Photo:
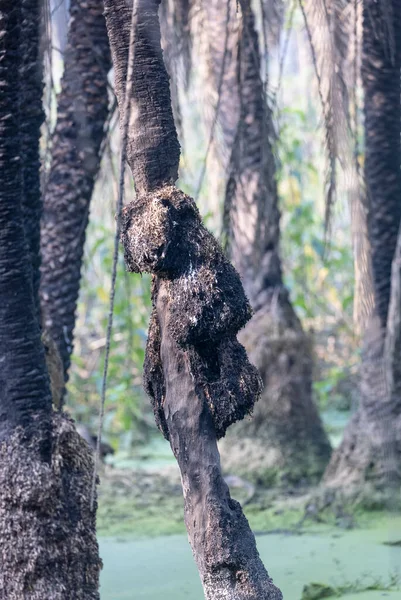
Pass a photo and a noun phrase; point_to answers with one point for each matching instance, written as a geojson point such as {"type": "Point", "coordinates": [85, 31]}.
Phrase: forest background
{"type": "Point", "coordinates": [317, 244]}
{"type": "Point", "coordinates": [318, 272]}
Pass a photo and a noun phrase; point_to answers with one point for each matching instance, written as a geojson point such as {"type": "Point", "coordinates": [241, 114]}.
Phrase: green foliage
{"type": "Point", "coordinates": [125, 411]}
{"type": "Point", "coordinates": [318, 268]}
{"type": "Point", "coordinates": [319, 275]}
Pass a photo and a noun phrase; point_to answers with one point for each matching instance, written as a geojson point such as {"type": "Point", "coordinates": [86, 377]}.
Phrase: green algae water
{"type": "Point", "coordinates": [162, 568]}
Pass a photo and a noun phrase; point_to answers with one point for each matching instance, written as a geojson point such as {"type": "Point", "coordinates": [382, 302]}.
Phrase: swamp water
{"type": "Point", "coordinates": [162, 568]}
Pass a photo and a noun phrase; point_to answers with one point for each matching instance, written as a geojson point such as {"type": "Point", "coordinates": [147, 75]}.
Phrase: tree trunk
{"type": "Point", "coordinates": [381, 59]}
{"type": "Point", "coordinates": [47, 528]}
{"type": "Point", "coordinates": [80, 129]}
{"type": "Point", "coordinates": [371, 449]}
{"type": "Point", "coordinates": [285, 441]}
{"type": "Point", "coordinates": [196, 373]}
{"type": "Point", "coordinates": [24, 391]}
{"type": "Point", "coordinates": [32, 109]}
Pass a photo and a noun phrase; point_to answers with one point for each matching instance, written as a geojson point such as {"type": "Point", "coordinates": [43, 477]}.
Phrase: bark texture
{"type": "Point", "coordinates": [285, 442]}
{"type": "Point", "coordinates": [222, 542]}
{"type": "Point", "coordinates": [47, 528]}
{"type": "Point", "coordinates": [80, 128]}
{"type": "Point", "coordinates": [153, 151]}
{"type": "Point", "coordinates": [370, 452]}
{"type": "Point", "coordinates": [197, 374]}
{"type": "Point", "coordinates": [32, 110]}
{"type": "Point", "coordinates": [25, 398]}
{"type": "Point", "coordinates": [381, 57]}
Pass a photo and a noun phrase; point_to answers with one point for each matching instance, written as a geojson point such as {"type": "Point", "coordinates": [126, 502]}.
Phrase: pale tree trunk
{"type": "Point", "coordinates": [196, 373]}
{"type": "Point", "coordinates": [82, 108]}
{"type": "Point", "coordinates": [285, 441]}
{"type": "Point", "coordinates": [371, 449]}
{"type": "Point", "coordinates": [47, 528]}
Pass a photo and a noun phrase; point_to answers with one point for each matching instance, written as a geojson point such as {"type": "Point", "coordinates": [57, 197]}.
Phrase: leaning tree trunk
{"type": "Point", "coordinates": [82, 108]}
{"type": "Point", "coordinates": [285, 441]}
{"type": "Point", "coordinates": [47, 529]}
{"type": "Point", "coordinates": [371, 449]}
{"type": "Point", "coordinates": [196, 372]}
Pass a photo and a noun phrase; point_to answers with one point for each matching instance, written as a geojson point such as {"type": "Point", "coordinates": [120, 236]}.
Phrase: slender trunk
{"type": "Point", "coordinates": [196, 373]}
{"type": "Point", "coordinates": [285, 441]}
{"type": "Point", "coordinates": [47, 528]}
{"type": "Point", "coordinates": [370, 450]}
{"type": "Point", "coordinates": [80, 129]}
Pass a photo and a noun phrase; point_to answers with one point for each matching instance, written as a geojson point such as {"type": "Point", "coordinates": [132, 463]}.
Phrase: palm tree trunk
{"type": "Point", "coordinates": [370, 450]}
{"type": "Point", "coordinates": [80, 129]}
{"type": "Point", "coordinates": [285, 441]}
{"type": "Point", "coordinates": [24, 395]}
{"type": "Point", "coordinates": [47, 527]}
{"type": "Point", "coordinates": [197, 374]}
{"type": "Point", "coordinates": [32, 109]}
{"type": "Point", "coordinates": [381, 60]}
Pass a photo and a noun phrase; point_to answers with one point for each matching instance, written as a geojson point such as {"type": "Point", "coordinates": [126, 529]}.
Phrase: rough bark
{"type": "Point", "coordinates": [370, 452]}
{"type": "Point", "coordinates": [197, 374]}
{"type": "Point", "coordinates": [153, 151]}
{"type": "Point", "coordinates": [222, 542]}
{"type": "Point", "coordinates": [285, 441]}
{"type": "Point", "coordinates": [48, 541]}
{"type": "Point", "coordinates": [381, 58]}
{"type": "Point", "coordinates": [371, 449]}
{"type": "Point", "coordinates": [82, 108]}
{"type": "Point", "coordinates": [24, 389]}
{"type": "Point", "coordinates": [32, 109]}
{"type": "Point", "coordinates": [47, 528]}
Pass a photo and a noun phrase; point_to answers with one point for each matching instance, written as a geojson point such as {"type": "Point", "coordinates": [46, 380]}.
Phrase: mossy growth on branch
{"type": "Point", "coordinates": [163, 234]}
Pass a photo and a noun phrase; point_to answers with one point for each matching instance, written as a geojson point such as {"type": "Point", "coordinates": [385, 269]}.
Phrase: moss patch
{"type": "Point", "coordinates": [139, 504]}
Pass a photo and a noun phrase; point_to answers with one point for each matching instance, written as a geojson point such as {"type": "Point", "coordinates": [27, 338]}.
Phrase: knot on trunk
{"type": "Point", "coordinates": [205, 304]}
{"type": "Point", "coordinates": [163, 234]}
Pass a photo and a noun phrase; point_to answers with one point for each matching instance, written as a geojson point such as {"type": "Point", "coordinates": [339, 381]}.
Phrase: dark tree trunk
{"type": "Point", "coordinates": [381, 59]}
{"type": "Point", "coordinates": [153, 151]}
{"type": "Point", "coordinates": [24, 390]}
{"type": "Point", "coordinates": [196, 373]}
{"type": "Point", "coordinates": [81, 115]}
{"type": "Point", "coordinates": [47, 528]}
{"type": "Point", "coordinates": [285, 441]}
{"type": "Point", "coordinates": [371, 449]}
{"type": "Point", "coordinates": [32, 109]}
